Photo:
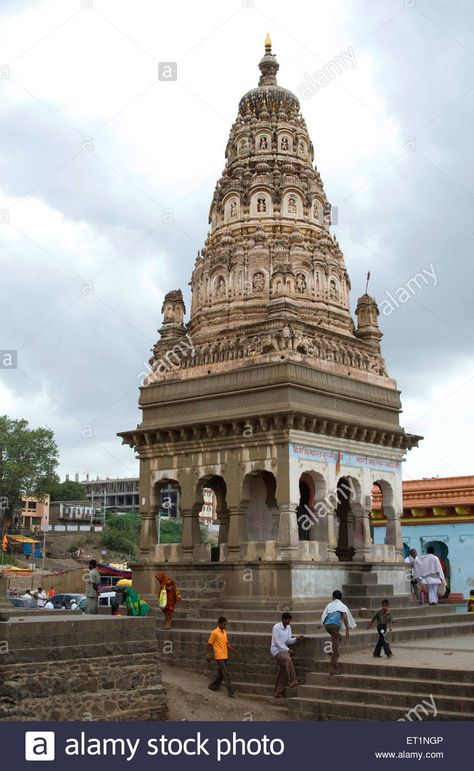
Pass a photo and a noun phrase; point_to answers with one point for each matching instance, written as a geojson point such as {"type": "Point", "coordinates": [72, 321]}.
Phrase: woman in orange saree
{"type": "Point", "coordinates": [172, 597]}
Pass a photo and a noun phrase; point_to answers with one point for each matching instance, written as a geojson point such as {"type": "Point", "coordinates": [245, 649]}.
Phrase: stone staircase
{"type": "Point", "coordinates": [391, 693]}
{"type": "Point", "coordinates": [364, 695]}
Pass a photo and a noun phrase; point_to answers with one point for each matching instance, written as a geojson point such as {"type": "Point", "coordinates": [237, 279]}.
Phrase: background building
{"type": "Point", "coordinates": [35, 513]}
{"type": "Point", "coordinates": [113, 493]}
{"type": "Point", "coordinates": [208, 513]}
{"type": "Point", "coordinates": [72, 511]}
{"type": "Point", "coordinates": [437, 512]}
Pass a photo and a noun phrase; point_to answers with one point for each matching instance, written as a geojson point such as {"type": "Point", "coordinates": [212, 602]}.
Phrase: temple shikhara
{"type": "Point", "coordinates": [271, 395]}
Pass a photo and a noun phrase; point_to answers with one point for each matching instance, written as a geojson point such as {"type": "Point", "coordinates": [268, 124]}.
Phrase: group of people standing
{"type": "Point", "coordinates": [41, 597]}
{"type": "Point", "coordinates": [168, 596]}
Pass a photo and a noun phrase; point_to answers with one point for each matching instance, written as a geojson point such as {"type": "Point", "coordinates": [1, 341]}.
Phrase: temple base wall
{"type": "Point", "coordinates": [269, 582]}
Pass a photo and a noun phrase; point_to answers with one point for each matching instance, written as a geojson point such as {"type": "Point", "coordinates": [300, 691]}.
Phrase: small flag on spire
{"type": "Point", "coordinates": [4, 542]}
{"type": "Point", "coordinates": [367, 284]}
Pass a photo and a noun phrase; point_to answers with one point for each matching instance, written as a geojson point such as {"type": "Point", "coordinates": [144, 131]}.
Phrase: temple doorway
{"type": "Point", "coordinates": [442, 552]}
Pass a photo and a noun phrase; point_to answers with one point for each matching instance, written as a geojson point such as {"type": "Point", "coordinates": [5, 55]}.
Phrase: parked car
{"type": "Point", "coordinates": [68, 597]}
{"type": "Point", "coordinates": [22, 602]}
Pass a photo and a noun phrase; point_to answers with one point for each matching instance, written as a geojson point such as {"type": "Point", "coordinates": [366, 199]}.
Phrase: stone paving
{"type": "Point", "coordinates": [443, 652]}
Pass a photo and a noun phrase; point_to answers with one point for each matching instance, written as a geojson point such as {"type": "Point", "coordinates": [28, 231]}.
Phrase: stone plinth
{"type": "Point", "coordinates": [267, 581]}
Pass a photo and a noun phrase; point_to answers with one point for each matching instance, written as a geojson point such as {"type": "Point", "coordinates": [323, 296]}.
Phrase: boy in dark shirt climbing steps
{"type": "Point", "coordinates": [383, 617]}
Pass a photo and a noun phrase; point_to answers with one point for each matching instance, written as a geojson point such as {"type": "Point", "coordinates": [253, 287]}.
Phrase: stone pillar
{"type": "Point", "coordinates": [237, 533]}
{"type": "Point", "coordinates": [191, 533]}
{"type": "Point", "coordinates": [326, 530]}
{"type": "Point", "coordinates": [148, 511]}
{"type": "Point", "coordinates": [393, 533]}
{"type": "Point", "coordinates": [148, 532]}
{"type": "Point", "coordinates": [362, 540]}
{"type": "Point", "coordinates": [223, 519]}
{"type": "Point", "coordinates": [288, 538]}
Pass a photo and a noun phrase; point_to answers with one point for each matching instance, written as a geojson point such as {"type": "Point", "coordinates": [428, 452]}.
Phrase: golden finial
{"type": "Point", "coordinates": [268, 41]}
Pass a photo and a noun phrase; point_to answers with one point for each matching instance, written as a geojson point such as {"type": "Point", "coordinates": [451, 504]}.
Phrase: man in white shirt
{"type": "Point", "coordinates": [282, 638]}
{"type": "Point", "coordinates": [41, 599]}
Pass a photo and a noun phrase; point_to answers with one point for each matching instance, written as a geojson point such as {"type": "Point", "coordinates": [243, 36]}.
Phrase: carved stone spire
{"type": "Point", "coordinates": [173, 310]}
{"type": "Point", "coordinates": [269, 262]}
{"type": "Point", "coordinates": [367, 322]}
{"type": "Point", "coordinates": [268, 66]}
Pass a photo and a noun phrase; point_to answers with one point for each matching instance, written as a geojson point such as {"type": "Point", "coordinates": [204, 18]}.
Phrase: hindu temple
{"type": "Point", "coordinates": [271, 394]}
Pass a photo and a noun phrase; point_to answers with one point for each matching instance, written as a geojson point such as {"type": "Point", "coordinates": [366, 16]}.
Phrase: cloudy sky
{"type": "Point", "coordinates": [106, 175]}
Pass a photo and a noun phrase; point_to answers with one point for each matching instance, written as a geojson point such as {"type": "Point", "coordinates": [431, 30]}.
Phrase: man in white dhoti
{"type": "Point", "coordinates": [430, 573]}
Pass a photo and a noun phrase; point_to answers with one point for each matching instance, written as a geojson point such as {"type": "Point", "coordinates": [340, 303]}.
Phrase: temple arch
{"type": "Point", "coordinates": [311, 508]}
{"type": "Point", "coordinates": [348, 494]}
{"type": "Point", "coordinates": [217, 485]}
{"type": "Point", "coordinates": [260, 504]}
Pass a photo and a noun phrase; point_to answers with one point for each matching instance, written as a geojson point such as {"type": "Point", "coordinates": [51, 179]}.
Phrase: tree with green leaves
{"type": "Point", "coordinates": [28, 460]}
{"type": "Point", "coordinates": [66, 491]}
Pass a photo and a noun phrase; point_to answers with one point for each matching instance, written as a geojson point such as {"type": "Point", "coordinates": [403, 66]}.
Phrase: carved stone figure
{"type": "Point", "coordinates": [261, 205]}
{"type": "Point", "coordinates": [263, 143]}
{"type": "Point", "coordinates": [287, 337]}
{"type": "Point", "coordinates": [300, 283]}
{"type": "Point", "coordinates": [292, 208]}
{"type": "Point", "coordinates": [258, 282]}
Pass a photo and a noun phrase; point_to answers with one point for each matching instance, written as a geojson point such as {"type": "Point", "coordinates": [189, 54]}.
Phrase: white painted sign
{"type": "Point", "coordinates": [343, 458]}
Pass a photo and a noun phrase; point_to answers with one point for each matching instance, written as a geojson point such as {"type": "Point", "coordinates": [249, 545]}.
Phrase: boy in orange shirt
{"type": "Point", "coordinates": [219, 645]}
